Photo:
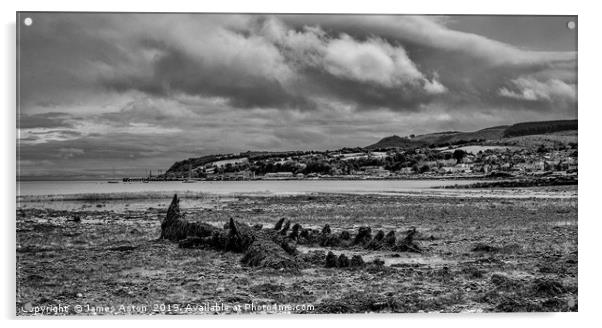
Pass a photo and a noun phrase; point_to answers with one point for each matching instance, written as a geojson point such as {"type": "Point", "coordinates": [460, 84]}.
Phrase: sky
{"type": "Point", "coordinates": [103, 94]}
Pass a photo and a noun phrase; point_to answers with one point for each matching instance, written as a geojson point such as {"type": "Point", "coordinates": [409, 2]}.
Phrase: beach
{"type": "Point", "coordinates": [506, 249]}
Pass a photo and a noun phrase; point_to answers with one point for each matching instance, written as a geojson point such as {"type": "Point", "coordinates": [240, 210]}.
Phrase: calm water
{"type": "Point", "coordinates": [35, 188]}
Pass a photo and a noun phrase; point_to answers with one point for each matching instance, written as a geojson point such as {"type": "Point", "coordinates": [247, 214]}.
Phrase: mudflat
{"type": "Point", "coordinates": [479, 254]}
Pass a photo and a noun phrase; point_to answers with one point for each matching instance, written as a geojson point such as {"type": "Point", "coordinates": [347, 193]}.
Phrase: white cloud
{"type": "Point", "coordinates": [373, 60]}
{"type": "Point", "coordinates": [430, 32]}
{"type": "Point", "coordinates": [434, 86]}
{"type": "Point", "coordinates": [531, 89]}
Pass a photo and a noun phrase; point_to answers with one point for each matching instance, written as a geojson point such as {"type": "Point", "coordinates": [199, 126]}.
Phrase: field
{"type": "Point", "coordinates": [551, 140]}
{"type": "Point", "coordinates": [479, 254]}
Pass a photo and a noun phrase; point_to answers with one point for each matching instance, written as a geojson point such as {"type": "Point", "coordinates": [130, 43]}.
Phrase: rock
{"type": "Point", "coordinates": [295, 231]}
{"type": "Point", "coordinates": [356, 261]}
{"type": "Point", "coordinates": [345, 235]}
{"type": "Point", "coordinates": [380, 235]}
{"type": "Point", "coordinates": [329, 240]}
{"type": "Point", "coordinates": [265, 248]}
{"type": "Point", "coordinates": [175, 229]}
{"type": "Point", "coordinates": [279, 224]}
{"type": "Point", "coordinates": [390, 238]}
{"type": "Point", "coordinates": [305, 234]}
{"type": "Point", "coordinates": [331, 260]}
{"type": "Point", "coordinates": [326, 229]}
{"type": "Point", "coordinates": [342, 261]}
{"type": "Point", "coordinates": [376, 242]}
{"type": "Point", "coordinates": [285, 228]}
{"type": "Point", "coordinates": [364, 235]}
{"type": "Point", "coordinates": [265, 253]}
{"type": "Point", "coordinates": [407, 244]}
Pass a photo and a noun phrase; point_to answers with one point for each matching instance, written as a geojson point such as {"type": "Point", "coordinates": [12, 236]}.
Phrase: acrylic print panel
{"type": "Point", "coordinates": [204, 164]}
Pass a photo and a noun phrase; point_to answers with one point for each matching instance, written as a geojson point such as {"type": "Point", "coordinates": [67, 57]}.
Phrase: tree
{"type": "Point", "coordinates": [458, 155]}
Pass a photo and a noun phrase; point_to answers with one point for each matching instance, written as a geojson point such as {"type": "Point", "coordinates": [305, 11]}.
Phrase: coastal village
{"type": "Point", "coordinates": [360, 163]}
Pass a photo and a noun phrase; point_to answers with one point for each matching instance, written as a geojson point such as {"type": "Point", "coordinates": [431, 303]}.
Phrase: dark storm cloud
{"type": "Point", "coordinates": [396, 62]}
{"type": "Point", "coordinates": [96, 88]}
{"type": "Point", "coordinates": [175, 71]}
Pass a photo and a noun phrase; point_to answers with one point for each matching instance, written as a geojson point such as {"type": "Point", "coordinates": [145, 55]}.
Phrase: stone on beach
{"type": "Point", "coordinates": [364, 235]}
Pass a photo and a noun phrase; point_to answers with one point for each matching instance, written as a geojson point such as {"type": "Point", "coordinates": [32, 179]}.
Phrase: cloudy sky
{"type": "Point", "coordinates": [139, 91]}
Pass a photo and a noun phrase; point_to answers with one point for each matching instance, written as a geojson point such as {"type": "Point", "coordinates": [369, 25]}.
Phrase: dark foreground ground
{"type": "Point", "coordinates": [481, 254]}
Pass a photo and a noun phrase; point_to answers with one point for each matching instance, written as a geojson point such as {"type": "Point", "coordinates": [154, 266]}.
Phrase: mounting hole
{"type": "Point", "coordinates": [28, 21]}
{"type": "Point", "coordinates": [571, 25]}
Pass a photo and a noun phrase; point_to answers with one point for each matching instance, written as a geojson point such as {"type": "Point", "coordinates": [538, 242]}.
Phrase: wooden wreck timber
{"type": "Point", "coordinates": [261, 247]}
{"type": "Point", "coordinates": [276, 248]}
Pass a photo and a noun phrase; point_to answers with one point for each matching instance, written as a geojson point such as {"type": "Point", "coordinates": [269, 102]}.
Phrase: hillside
{"type": "Point", "coordinates": [496, 133]}
{"type": "Point", "coordinates": [531, 128]}
{"type": "Point", "coordinates": [182, 167]}
{"type": "Point", "coordinates": [395, 142]}
{"type": "Point", "coordinates": [528, 135]}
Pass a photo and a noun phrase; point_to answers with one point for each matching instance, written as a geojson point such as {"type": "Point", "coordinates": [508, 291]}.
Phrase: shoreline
{"type": "Point", "coordinates": [561, 191]}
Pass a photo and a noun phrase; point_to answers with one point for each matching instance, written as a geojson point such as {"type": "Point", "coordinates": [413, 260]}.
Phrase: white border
{"type": "Point", "coordinates": [589, 134]}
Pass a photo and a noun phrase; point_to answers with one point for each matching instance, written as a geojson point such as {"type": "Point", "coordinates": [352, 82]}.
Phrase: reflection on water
{"type": "Point", "coordinates": [28, 188]}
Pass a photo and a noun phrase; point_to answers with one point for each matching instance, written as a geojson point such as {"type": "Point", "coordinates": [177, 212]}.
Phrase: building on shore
{"type": "Point", "coordinates": [376, 171]}
{"type": "Point", "coordinates": [278, 175]}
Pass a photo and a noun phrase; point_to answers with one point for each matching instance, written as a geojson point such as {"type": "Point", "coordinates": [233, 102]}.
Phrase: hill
{"type": "Point", "coordinates": [395, 142]}
{"type": "Point", "coordinates": [495, 133]}
{"type": "Point", "coordinates": [531, 128]}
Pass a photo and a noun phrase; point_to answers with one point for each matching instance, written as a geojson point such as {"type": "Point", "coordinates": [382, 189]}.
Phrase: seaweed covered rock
{"type": "Point", "coordinates": [295, 231]}
{"type": "Point", "coordinates": [239, 237]}
{"type": "Point", "coordinates": [264, 253]}
{"type": "Point", "coordinates": [174, 228]}
{"type": "Point", "coordinates": [305, 236]}
{"type": "Point", "coordinates": [331, 260]}
{"type": "Point", "coordinates": [356, 261]}
{"type": "Point", "coordinates": [309, 237]}
{"type": "Point", "coordinates": [364, 235]}
{"type": "Point", "coordinates": [265, 248]}
{"type": "Point", "coordinates": [279, 224]}
{"type": "Point", "coordinates": [342, 261]}
{"type": "Point", "coordinates": [285, 228]}
{"type": "Point", "coordinates": [390, 239]}
{"type": "Point", "coordinates": [376, 242]}
{"type": "Point", "coordinates": [329, 240]}
{"type": "Point", "coordinates": [345, 235]}
{"type": "Point", "coordinates": [408, 244]}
